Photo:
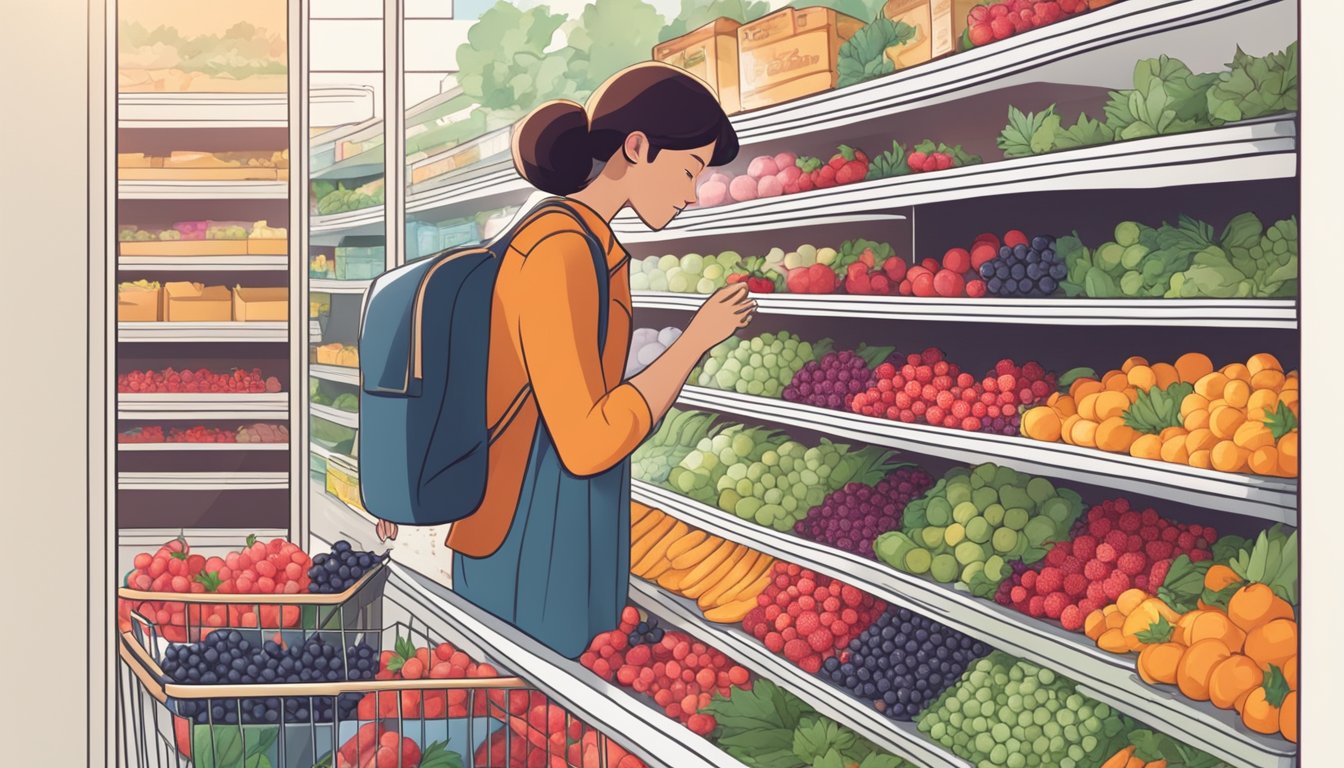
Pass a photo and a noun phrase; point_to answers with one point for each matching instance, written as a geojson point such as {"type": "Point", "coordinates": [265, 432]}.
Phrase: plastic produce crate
{"type": "Point", "coordinates": [359, 263]}
{"type": "Point", "coordinates": [486, 720]}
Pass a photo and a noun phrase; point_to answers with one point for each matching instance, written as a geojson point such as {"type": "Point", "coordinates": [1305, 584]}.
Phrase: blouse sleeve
{"type": "Point", "coordinates": [593, 428]}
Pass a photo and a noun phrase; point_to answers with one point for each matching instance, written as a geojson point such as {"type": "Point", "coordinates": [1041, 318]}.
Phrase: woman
{"type": "Point", "coordinates": [548, 550]}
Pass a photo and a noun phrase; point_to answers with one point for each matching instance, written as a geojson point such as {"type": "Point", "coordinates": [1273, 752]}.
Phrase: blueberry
{"type": "Point", "coordinates": [1047, 284]}
{"type": "Point", "coordinates": [1017, 271]}
{"type": "Point", "coordinates": [1041, 243]}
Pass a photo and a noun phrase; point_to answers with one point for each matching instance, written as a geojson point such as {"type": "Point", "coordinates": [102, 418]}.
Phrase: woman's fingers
{"type": "Point", "coordinates": [733, 293]}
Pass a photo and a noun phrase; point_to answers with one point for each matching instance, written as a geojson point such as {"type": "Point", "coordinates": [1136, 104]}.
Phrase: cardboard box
{"type": "Point", "coordinates": [260, 304]}
{"type": "Point", "coordinates": [709, 53]}
{"type": "Point", "coordinates": [182, 247]}
{"type": "Point", "coordinates": [258, 246]}
{"type": "Point", "coordinates": [938, 28]}
{"type": "Point", "coordinates": [799, 49]}
{"type": "Point", "coordinates": [197, 174]}
{"type": "Point", "coordinates": [138, 305]}
{"type": "Point", "coordinates": [196, 303]}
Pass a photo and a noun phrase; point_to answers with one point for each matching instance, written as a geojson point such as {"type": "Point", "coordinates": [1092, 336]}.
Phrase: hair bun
{"type": "Point", "coordinates": [551, 147]}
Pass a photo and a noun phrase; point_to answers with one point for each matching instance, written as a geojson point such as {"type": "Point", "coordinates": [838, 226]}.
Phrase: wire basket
{"type": "Point", "coordinates": [493, 721]}
{"type": "Point", "coordinates": [176, 617]}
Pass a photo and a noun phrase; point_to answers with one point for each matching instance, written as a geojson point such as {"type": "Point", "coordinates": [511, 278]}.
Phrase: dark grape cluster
{"type": "Point", "coordinates": [338, 571]}
{"type": "Point", "coordinates": [242, 658]}
{"type": "Point", "coordinates": [646, 631]}
{"type": "Point", "coordinates": [1025, 270]}
{"type": "Point", "coordinates": [830, 382]}
{"type": "Point", "coordinates": [850, 518]}
{"type": "Point", "coordinates": [902, 662]}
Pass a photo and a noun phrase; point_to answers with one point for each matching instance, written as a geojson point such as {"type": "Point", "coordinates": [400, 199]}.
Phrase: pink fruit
{"type": "Point", "coordinates": [957, 259]}
{"type": "Point", "coordinates": [743, 188]}
{"type": "Point", "coordinates": [789, 174]}
{"type": "Point", "coordinates": [769, 186]}
{"type": "Point", "coordinates": [712, 193]}
{"type": "Point", "coordinates": [982, 252]}
{"type": "Point", "coordinates": [762, 166]}
{"type": "Point", "coordinates": [720, 177]}
{"type": "Point", "coordinates": [785, 159]}
{"type": "Point", "coordinates": [948, 283]}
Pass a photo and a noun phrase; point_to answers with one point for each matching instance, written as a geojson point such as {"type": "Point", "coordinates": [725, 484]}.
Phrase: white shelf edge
{"type": "Point", "coordinates": [657, 740]}
{"type": "Point", "coordinates": [1108, 677]}
{"type": "Point", "coordinates": [199, 447]}
{"type": "Point", "coordinates": [202, 481]}
{"type": "Point", "coordinates": [1269, 498]}
{"type": "Point", "coordinates": [181, 406]}
{"type": "Point", "coordinates": [247, 263]}
{"type": "Point", "coordinates": [327, 285]}
{"type": "Point", "coordinates": [203, 332]}
{"type": "Point", "coordinates": [901, 738]}
{"type": "Point", "coordinates": [1248, 151]}
{"type": "Point", "coordinates": [337, 373]}
{"type": "Point", "coordinates": [202, 110]}
{"type": "Point", "coordinates": [361, 221]}
{"type": "Point", "coordinates": [335, 416]}
{"type": "Point", "coordinates": [202, 190]}
{"type": "Point", "coordinates": [1217, 313]}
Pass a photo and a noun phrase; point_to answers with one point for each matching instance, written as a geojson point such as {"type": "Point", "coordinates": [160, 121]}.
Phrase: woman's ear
{"type": "Point", "coordinates": [636, 148]}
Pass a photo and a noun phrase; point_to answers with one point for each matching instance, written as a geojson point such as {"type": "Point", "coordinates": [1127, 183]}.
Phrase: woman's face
{"type": "Point", "coordinates": [660, 189]}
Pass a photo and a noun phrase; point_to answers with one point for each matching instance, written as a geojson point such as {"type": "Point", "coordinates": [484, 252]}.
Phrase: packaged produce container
{"type": "Point", "coordinates": [937, 25]}
{"type": "Point", "coordinates": [360, 263]}
{"type": "Point", "coordinates": [183, 247]}
{"type": "Point", "coordinates": [791, 53]}
{"type": "Point", "coordinates": [139, 303]}
{"type": "Point", "coordinates": [456, 233]}
{"type": "Point", "coordinates": [268, 246]}
{"type": "Point", "coordinates": [343, 480]}
{"type": "Point", "coordinates": [709, 53]}
{"type": "Point", "coordinates": [259, 304]}
{"type": "Point", "coordinates": [185, 302]}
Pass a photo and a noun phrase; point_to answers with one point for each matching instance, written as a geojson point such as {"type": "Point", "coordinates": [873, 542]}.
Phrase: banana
{"type": "Point", "coordinates": [730, 613]}
{"type": "Point", "coordinates": [640, 548]}
{"type": "Point", "coordinates": [638, 512]}
{"type": "Point", "coordinates": [657, 552]}
{"type": "Point", "coordinates": [646, 524]}
{"type": "Point", "coordinates": [762, 567]}
{"type": "Point", "coordinates": [685, 543]}
{"type": "Point", "coordinates": [752, 590]}
{"type": "Point", "coordinates": [703, 579]}
{"type": "Point", "coordinates": [711, 596]}
{"type": "Point", "coordinates": [695, 555]}
{"type": "Point", "coordinates": [671, 578]}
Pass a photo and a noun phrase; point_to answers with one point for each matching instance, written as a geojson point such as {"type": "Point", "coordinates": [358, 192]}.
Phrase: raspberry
{"type": "Point", "coordinates": [851, 596]}
{"type": "Point", "coordinates": [821, 641]}
{"type": "Point", "coordinates": [1134, 544]}
{"type": "Point", "coordinates": [1005, 367]}
{"type": "Point", "coordinates": [1071, 566]}
{"type": "Point", "coordinates": [1195, 529]}
{"type": "Point", "coordinates": [1084, 547]}
{"type": "Point", "coordinates": [791, 633]}
{"type": "Point", "coordinates": [1141, 582]}
{"type": "Point", "coordinates": [1158, 550]}
{"type": "Point", "coordinates": [1119, 540]}
{"type": "Point", "coordinates": [1072, 618]}
{"type": "Point", "coordinates": [1186, 541]}
{"type": "Point", "coordinates": [1099, 527]}
{"type": "Point", "coordinates": [1149, 533]}
{"type": "Point", "coordinates": [1121, 504]}
{"type": "Point", "coordinates": [1054, 604]}
{"type": "Point", "coordinates": [1150, 516]}
{"type": "Point", "coordinates": [1049, 581]}
{"type": "Point", "coordinates": [1086, 607]}
{"type": "Point", "coordinates": [1157, 574]}
{"type": "Point", "coordinates": [1096, 591]}
{"type": "Point", "coordinates": [1106, 553]}
{"type": "Point", "coordinates": [1132, 563]}
{"type": "Point", "coordinates": [1115, 584]}
{"type": "Point", "coordinates": [1036, 607]}
{"type": "Point", "coordinates": [1210, 536]}
{"type": "Point", "coordinates": [1029, 579]}
{"type": "Point", "coordinates": [1170, 534]}
{"type": "Point", "coordinates": [1075, 585]}
{"type": "Point", "coordinates": [811, 664]}
{"type": "Point", "coordinates": [807, 623]}
{"type": "Point", "coordinates": [774, 642]}
{"type": "Point", "coordinates": [1200, 555]}
{"type": "Point", "coordinates": [1018, 595]}
{"type": "Point", "coordinates": [795, 650]}
{"type": "Point", "coordinates": [1095, 570]}
{"type": "Point", "coordinates": [1056, 556]}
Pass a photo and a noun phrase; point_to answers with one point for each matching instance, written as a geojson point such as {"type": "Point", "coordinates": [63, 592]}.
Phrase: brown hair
{"type": "Point", "coordinates": [555, 146]}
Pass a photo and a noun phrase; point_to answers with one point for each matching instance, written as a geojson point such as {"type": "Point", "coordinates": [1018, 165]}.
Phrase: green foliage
{"type": "Point", "coordinates": [864, 56]}
{"type": "Point", "coordinates": [697, 13]}
{"type": "Point", "coordinates": [240, 51]}
{"type": "Point", "coordinates": [1254, 86]}
{"type": "Point", "coordinates": [1157, 409]}
{"type": "Point", "coordinates": [1167, 98]}
{"type": "Point", "coordinates": [504, 65]}
{"type": "Point", "coordinates": [612, 35]}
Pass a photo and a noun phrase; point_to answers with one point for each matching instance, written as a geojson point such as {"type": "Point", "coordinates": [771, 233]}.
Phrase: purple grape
{"type": "Point", "coordinates": [851, 518]}
{"type": "Point", "coordinates": [830, 382]}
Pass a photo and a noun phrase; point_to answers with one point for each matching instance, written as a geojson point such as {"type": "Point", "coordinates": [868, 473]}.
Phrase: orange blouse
{"type": "Point", "coordinates": [543, 332]}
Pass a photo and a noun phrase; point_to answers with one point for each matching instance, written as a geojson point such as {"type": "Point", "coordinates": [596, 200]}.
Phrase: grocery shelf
{"type": "Point", "coordinates": [314, 331]}
{"type": "Point", "coordinates": [1215, 313]}
{"type": "Point", "coordinates": [747, 222]}
{"type": "Point", "coordinates": [1078, 50]}
{"type": "Point", "coordinates": [327, 510]}
{"type": "Point", "coordinates": [198, 447]}
{"type": "Point", "coordinates": [202, 481]}
{"type": "Point", "coordinates": [202, 110]}
{"type": "Point", "coordinates": [203, 263]}
{"type": "Point", "coordinates": [202, 406]}
{"type": "Point", "coordinates": [344, 418]}
{"type": "Point", "coordinates": [202, 190]}
{"type": "Point", "coordinates": [901, 738]}
{"type": "Point", "coordinates": [1269, 498]}
{"type": "Point", "coordinates": [327, 285]}
{"type": "Point", "coordinates": [329, 229]}
{"type": "Point", "coordinates": [203, 332]}
{"type": "Point", "coordinates": [656, 739]}
{"type": "Point", "coordinates": [477, 185]}
{"type": "Point", "coordinates": [338, 373]}
{"type": "Point", "coordinates": [1248, 151]}
{"type": "Point", "coordinates": [1107, 677]}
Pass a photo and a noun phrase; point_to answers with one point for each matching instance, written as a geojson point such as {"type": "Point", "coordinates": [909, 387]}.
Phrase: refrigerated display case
{"type": "Point", "coordinates": [1004, 473]}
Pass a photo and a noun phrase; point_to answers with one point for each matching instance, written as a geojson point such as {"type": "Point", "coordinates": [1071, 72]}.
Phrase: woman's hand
{"type": "Point", "coordinates": [722, 314]}
{"type": "Point", "coordinates": [386, 530]}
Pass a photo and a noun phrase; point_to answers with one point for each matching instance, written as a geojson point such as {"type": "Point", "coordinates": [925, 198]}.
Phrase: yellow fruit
{"type": "Point", "coordinates": [1192, 366]}
{"type": "Point", "coordinates": [1066, 406]}
{"type": "Point", "coordinates": [1110, 404]}
{"type": "Point", "coordinates": [1087, 406]}
{"type": "Point", "coordinates": [1201, 459]}
{"type": "Point", "coordinates": [743, 587]}
{"type": "Point", "coordinates": [1173, 451]}
{"type": "Point", "coordinates": [1066, 429]}
{"type": "Point", "coordinates": [1263, 361]}
{"type": "Point", "coordinates": [1171, 433]}
{"type": "Point", "coordinates": [693, 556]}
{"type": "Point", "coordinates": [729, 580]}
{"type": "Point", "coordinates": [1267, 379]}
{"type": "Point", "coordinates": [705, 576]}
{"type": "Point", "coordinates": [732, 612]}
{"type": "Point", "coordinates": [1199, 440]}
{"type": "Point", "coordinates": [1194, 402]}
{"type": "Point", "coordinates": [1264, 460]}
{"type": "Point", "coordinates": [1166, 374]}
{"type": "Point", "coordinates": [1142, 377]}
{"type": "Point", "coordinates": [1084, 433]}
{"type": "Point", "coordinates": [1146, 447]}
{"type": "Point", "coordinates": [1114, 381]}
{"type": "Point", "coordinates": [645, 524]}
{"type": "Point", "coordinates": [1227, 456]}
{"type": "Point", "coordinates": [1252, 435]}
{"type": "Point", "coordinates": [1129, 600]}
{"type": "Point", "coordinates": [1236, 393]}
{"type": "Point", "coordinates": [658, 550]}
{"type": "Point", "coordinates": [1211, 385]}
{"type": "Point", "coordinates": [1224, 421]}
{"type": "Point", "coordinates": [1289, 398]}
{"type": "Point", "coordinates": [1237, 371]}
{"type": "Point", "coordinates": [1132, 363]}
{"type": "Point", "coordinates": [686, 543]}
{"type": "Point", "coordinates": [1261, 403]}
{"type": "Point", "coordinates": [1114, 435]}
{"type": "Point", "coordinates": [1197, 420]}
{"type": "Point", "coordinates": [1041, 423]}
{"type": "Point", "coordinates": [1287, 449]}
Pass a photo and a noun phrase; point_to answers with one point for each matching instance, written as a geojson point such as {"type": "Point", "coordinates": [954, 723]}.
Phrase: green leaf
{"type": "Point", "coordinates": [1157, 409]}
{"type": "Point", "coordinates": [882, 761]}
{"type": "Point", "coordinates": [1027, 131]}
{"type": "Point", "coordinates": [251, 539]}
{"type": "Point", "coordinates": [1157, 632]}
{"type": "Point", "coordinates": [874, 356]}
{"type": "Point", "coordinates": [816, 737]}
{"type": "Point", "coordinates": [1073, 374]}
{"type": "Point", "coordinates": [232, 746]}
{"type": "Point", "coordinates": [437, 755]}
{"type": "Point", "coordinates": [1184, 584]}
{"type": "Point", "coordinates": [1084, 133]}
{"type": "Point", "coordinates": [210, 580]}
{"type": "Point", "coordinates": [864, 55]}
{"type": "Point", "coordinates": [1275, 685]}
{"type": "Point", "coordinates": [1281, 421]}
{"type": "Point", "coordinates": [831, 759]}
{"type": "Point", "coordinates": [1043, 138]}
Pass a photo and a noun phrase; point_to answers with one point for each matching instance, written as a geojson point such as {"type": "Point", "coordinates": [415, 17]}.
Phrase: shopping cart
{"type": "Point", "coordinates": [492, 721]}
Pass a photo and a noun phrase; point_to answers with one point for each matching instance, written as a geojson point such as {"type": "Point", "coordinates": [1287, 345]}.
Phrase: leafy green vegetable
{"type": "Point", "coordinates": [1271, 561]}
{"type": "Point", "coordinates": [1281, 421]}
{"type": "Point", "coordinates": [1276, 686]}
{"type": "Point", "coordinates": [1254, 86]}
{"type": "Point", "coordinates": [1157, 632]}
{"type": "Point", "coordinates": [1157, 409]}
{"type": "Point", "coordinates": [890, 163]}
{"type": "Point", "coordinates": [864, 55]}
{"type": "Point", "coordinates": [1150, 747]}
{"type": "Point", "coordinates": [437, 755]}
{"type": "Point", "coordinates": [1084, 133]}
{"type": "Point", "coordinates": [1030, 133]}
{"type": "Point", "coordinates": [816, 737]}
{"type": "Point", "coordinates": [1184, 584]}
{"type": "Point", "coordinates": [1167, 98]}
{"type": "Point", "coordinates": [232, 746]}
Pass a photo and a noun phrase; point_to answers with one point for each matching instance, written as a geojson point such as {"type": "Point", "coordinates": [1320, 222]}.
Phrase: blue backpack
{"type": "Point", "coordinates": [424, 339]}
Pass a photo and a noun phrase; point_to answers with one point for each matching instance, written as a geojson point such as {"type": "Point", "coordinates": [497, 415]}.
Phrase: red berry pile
{"type": "Point", "coordinates": [808, 616]}
{"type": "Point", "coordinates": [952, 278]}
{"type": "Point", "coordinates": [443, 662]}
{"type": "Point", "coordinates": [1115, 548]}
{"type": "Point", "coordinates": [1002, 19]}
{"type": "Point", "coordinates": [199, 380]}
{"type": "Point", "coordinates": [874, 274]}
{"type": "Point", "coordinates": [679, 672]}
{"type": "Point", "coordinates": [929, 389]}
{"type": "Point", "coordinates": [783, 174]}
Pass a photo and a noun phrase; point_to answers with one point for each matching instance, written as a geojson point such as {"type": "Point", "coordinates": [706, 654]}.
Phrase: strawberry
{"type": "Point", "coordinates": [823, 278]}
{"type": "Point", "coordinates": [917, 161]}
{"type": "Point", "coordinates": [895, 269]}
